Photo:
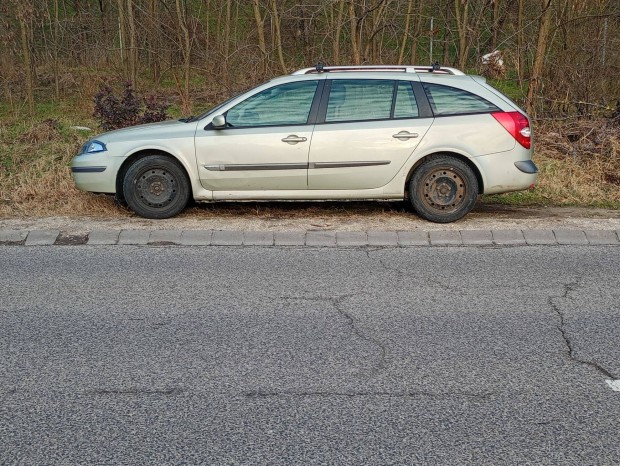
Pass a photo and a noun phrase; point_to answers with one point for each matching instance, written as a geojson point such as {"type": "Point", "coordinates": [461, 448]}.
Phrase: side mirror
{"type": "Point", "coordinates": [219, 122]}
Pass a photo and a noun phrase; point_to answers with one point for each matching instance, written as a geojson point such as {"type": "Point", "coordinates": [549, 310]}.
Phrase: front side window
{"type": "Point", "coordinates": [286, 104]}
{"type": "Point", "coordinates": [446, 100]}
{"type": "Point", "coordinates": [359, 99]}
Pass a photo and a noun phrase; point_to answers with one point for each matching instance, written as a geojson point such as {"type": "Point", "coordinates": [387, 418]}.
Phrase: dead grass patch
{"type": "Point", "coordinates": [35, 178]}
{"type": "Point", "coordinates": [579, 166]}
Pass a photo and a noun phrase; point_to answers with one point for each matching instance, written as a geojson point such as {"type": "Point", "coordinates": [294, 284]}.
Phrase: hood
{"type": "Point", "coordinates": [144, 131]}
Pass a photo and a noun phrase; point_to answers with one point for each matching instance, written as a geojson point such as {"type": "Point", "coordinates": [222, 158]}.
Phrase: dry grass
{"type": "Point", "coordinates": [579, 162]}
{"type": "Point", "coordinates": [579, 165]}
{"type": "Point", "coordinates": [35, 179]}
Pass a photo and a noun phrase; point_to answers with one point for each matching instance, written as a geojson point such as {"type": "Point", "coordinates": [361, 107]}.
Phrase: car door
{"type": "Point", "coordinates": [366, 130]}
{"type": "Point", "coordinates": [265, 144]}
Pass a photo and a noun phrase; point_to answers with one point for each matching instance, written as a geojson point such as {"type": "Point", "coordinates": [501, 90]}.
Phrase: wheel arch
{"type": "Point", "coordinates": [120, 176]}
{"type": "Point", "coordinates": [456, 155]}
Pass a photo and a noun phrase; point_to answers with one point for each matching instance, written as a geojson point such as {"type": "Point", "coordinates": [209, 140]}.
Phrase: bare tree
{"type": "Point", "coordinates": [539, 56]}
{"type": "Point", "coordinates": [186, 50]}
{"type": "Point", "coordinates": [260, 29]}
{"type": "Point", "coordinates": [278, 34]}
{"type": "Point", "coordinates": [24, 11]}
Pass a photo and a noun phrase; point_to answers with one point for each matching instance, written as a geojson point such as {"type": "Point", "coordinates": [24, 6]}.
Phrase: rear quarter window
{"type": "Point", "coordinates": [446, 100]}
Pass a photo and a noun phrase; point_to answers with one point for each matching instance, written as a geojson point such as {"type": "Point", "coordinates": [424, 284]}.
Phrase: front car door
{"type": "Point", "coordinates": [265, 144]}
{"type": "Point", "coordinates": [366, 130]}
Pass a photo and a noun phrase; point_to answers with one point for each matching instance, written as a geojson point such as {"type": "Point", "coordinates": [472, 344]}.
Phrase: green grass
{"type": "Point", "coordinates": [541, 198]}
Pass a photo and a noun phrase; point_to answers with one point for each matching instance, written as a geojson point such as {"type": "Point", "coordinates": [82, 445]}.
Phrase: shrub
{"type": "Point", "coordinates": [113, 112]}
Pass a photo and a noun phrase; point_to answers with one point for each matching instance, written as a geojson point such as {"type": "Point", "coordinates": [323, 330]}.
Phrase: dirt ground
{"type": "Point", "coordinates": [341, 216]}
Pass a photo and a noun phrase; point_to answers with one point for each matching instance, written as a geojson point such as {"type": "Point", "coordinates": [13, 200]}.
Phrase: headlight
{"type": "Point", "coordinates": [92, 147]}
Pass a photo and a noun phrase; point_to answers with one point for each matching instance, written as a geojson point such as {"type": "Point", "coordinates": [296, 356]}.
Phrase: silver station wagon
{"type": "Point", "coordinates": [434, 136]}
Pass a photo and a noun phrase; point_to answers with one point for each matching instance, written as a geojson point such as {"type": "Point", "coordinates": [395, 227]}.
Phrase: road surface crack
{"type": "Point", "coordinates": [353, 325]}
{"type": "Point", "coordinates": [136, 391]}
{"type": "Point", "coordinates": [328, 393]}
{"type": "Point", "coordinates": [568, 288]}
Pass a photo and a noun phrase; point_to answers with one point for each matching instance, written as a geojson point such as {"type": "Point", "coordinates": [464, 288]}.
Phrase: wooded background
{"type": "Point", "coordinates": [561, 57]}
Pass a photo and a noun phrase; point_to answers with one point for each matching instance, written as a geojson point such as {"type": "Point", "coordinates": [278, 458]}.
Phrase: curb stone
{"type": "Point", "coordinates": [445, 238]}
{"type": "Point", "coordinates": [13, 236]}
{"type": "Point", "coordinates": [320, 238]}
{"type": "Point", "coordinates": [42, 237]}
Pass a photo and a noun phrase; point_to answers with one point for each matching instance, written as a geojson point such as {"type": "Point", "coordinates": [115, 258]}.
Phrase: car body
{"type": "Point", "coordinates": [435, 136]}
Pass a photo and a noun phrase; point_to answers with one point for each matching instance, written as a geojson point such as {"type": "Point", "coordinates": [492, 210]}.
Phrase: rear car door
{"type": "Point", "coordinates": [366, 130]}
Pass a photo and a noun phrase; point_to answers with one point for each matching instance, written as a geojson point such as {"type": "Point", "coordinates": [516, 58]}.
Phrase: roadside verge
{"type": "Point", "coordinates": [312, 238]}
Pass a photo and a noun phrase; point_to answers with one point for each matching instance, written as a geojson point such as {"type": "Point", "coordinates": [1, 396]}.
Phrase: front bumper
{"type": "Point", "coordinates": [95, 172]}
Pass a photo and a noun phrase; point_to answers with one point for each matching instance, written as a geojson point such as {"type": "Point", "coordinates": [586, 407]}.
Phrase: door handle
{"type": "Point", "coordinates": [404, 135]}
{"type": "Point", "coordinates": [294, 139]}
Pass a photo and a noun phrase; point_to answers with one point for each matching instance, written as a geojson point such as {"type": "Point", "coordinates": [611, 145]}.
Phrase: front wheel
{"type": "Point", "coordinates": [156, 187]}
{"type": "Point", "coordinates": [443, 189]}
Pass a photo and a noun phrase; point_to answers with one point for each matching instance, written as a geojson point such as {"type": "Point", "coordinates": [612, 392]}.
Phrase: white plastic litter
{"type": "Point", "coordinates": [614, 385]}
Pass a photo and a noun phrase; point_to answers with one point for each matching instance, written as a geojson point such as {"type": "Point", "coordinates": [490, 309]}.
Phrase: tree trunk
{"type": "Point", "coordinates": [520, 42]}
{"type": "Point", "coordinates": [227, 34]}
{"type": "Point", "coordinates": [417, 30]}
{"type": "Point", "coordinates": [153, 42]}
{"type": "Point", "coordinates": [539, 56]}
{"type": "Point", "coordinates": [260, 28]}
{"type": "Point", "coordinates": [186, 44]}
{"type": "Point", "coordinates": [401, 55]}
{"type": "Point", "coordinates": [122, 38]}
{"type": "Point", "coordinates": [278, 35]}
{"type": "Point", "coordinates": [461, 12]}
{"type": "Point", "coordinates": [377, 18]}
{"type": "Point", "coordinates": [355, 49]}
{"type": "Point", "coordinates": [336, 43]}
{"type": "Point", "coordinates": [497, 5]}
{"type": "Point", "coordinates": [133, 51]}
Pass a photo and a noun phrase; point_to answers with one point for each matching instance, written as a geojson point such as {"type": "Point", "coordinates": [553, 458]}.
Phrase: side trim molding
{"type": "Point", "coordinates": [370, 163]}
{"type": "Point", "coordinates": [88, 169]}
{"type": "Point", "coordinates": [256, 166]}
{"type": "Point", "coordinates": [292, 166]}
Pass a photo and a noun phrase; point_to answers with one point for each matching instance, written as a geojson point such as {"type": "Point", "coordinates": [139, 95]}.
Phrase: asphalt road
{"type": "Point", "coordinates": [126, 355]}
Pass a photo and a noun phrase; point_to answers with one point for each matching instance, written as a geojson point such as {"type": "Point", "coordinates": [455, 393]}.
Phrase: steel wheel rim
{"type": "Point", "coordinates": [444, 189]}
{"type": "Point", "coordinates": [156, 187]}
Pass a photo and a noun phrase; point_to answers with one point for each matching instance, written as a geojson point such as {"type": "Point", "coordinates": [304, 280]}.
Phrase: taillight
{"type": "Point", "coordinates": [517, 125]}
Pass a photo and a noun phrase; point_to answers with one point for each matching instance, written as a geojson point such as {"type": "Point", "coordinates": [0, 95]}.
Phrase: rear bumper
{"type": "Point", "coordinates": [527, 166]}
{"type": "Point", "coordinates": [504, 172]}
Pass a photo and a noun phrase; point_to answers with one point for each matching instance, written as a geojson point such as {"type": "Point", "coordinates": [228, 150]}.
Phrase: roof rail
{"type": "Point", "coordinates": [435, 69]}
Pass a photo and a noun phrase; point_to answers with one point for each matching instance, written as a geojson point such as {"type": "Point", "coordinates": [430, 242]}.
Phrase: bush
{"type": "Point", "coordinates": [113, 112]}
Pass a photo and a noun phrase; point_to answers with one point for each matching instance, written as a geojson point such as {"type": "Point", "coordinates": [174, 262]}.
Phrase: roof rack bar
{"type": "Point", "coordinates": [402, 68]}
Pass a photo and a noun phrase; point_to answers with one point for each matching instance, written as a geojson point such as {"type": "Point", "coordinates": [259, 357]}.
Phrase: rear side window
{"type": "Point", "coordinates": [446, 100]}
{"type": "Point", "coordinates": [370, 99]}
{"type": "Point", "coordinates": [359, 99]}
{"type": "Point", "coordinates": [406, 105]}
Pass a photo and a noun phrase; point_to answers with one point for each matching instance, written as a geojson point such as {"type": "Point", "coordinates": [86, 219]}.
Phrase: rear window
{"type": "Point", "coordinates": [447, 100]}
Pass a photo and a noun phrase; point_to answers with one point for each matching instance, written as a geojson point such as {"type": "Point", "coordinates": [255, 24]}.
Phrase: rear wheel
{"type": "Point", "coordinates": [443, 189]}
{"type": "Point", "coordinates": [156, 186]}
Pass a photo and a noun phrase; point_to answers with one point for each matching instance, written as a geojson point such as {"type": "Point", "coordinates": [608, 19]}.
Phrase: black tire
{"type": "Point", "coordinates": [156, 186]}
{"type": "Point", "coordinates": [443, 189]}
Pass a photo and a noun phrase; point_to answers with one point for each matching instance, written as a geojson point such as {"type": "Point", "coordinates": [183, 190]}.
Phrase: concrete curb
{"type": "Point", "coordinates": [320, 238]}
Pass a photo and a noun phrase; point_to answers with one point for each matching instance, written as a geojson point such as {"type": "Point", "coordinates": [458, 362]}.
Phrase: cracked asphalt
{"type": "Point", "coordinates": [169, 355]}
